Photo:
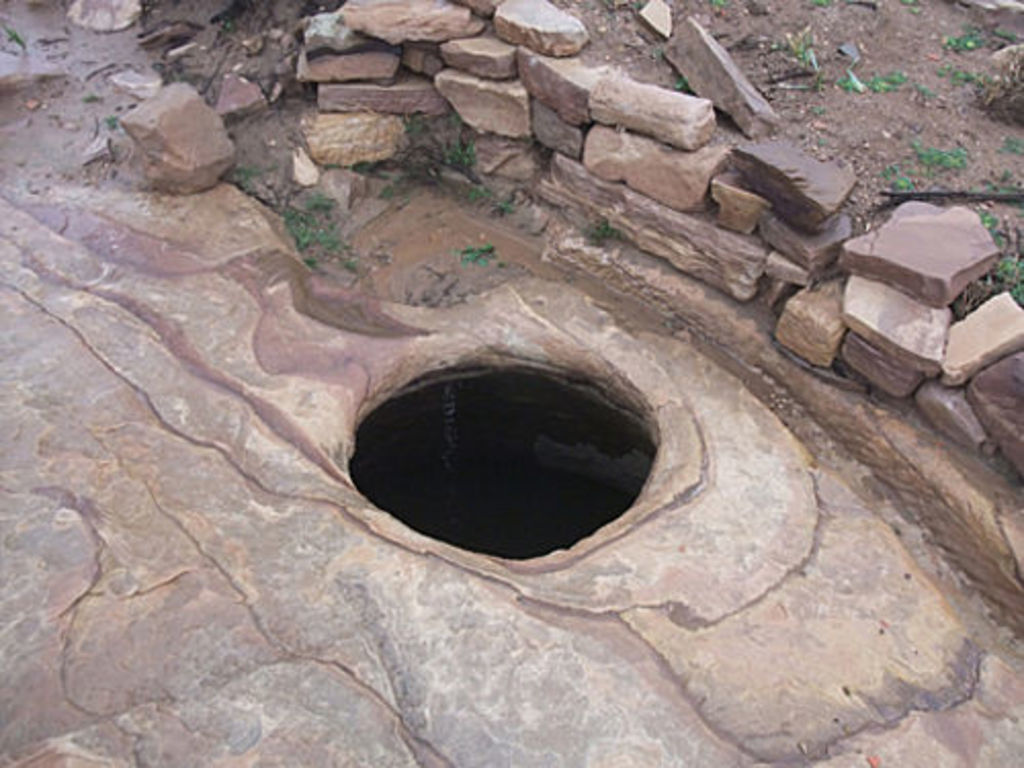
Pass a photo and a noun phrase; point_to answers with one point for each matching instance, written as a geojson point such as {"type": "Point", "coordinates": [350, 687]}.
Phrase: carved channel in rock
{"type": "Point", "coordinates": [513, 462]}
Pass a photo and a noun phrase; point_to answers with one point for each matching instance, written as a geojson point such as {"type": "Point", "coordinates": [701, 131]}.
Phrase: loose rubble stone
{"type": "Point", "coordinates": [727, 260]}
{"type": "Point", "coordinates": [885, 371]}
{"type": "Point", "coordinates": [326, 32]}
{"type": "Point", "coordinates": [141, 85]}
{"type": "Point", "coordinates": [739, 209]}
{"type": "Point", "coordinates": [815, 252]}
{"type": "Point", "coordinates": [541, 26]}
{"type": "Point", "coordinates": [105, 15]}
{"type": "Point", "coordinates": [564, 85]}
{"type": "Point", "coordinates": [183, 144]}
{"type": "Point", "coordinates": [330, 68]}
{"type": "Point", "coordinates": [949, 412]}
{"type": "Point", "coordinates": [993, 330]}
{"type": "Point", "coordinates": [304, 170]}
{"type": "Point", "coordinates": [802, 190]}
{"type": "Point", "coordinates": [811, 324]}
{"type": "Point", "coordinates": [397, 21]}
{"type": "Point", "coordinates": [239, 98]}
{"type": "Point", "coordinates": [505, 157]}
{"type": "Point", "coordinates": [683, 121]}
{"type": "Point", "coordinates": [481, 56]}
{"type": "Point", "coordinates": [497, 106]}
{"type": "Point", "coordinates": [409, 95]}
{"type": "Point", "coordinates": [353, 137]}
{"type": "Point", "coordinates": [930, 253]}
{"type": "Point", "coordinates": [677, 179]}
{"type": "Point", "coordinates": [997, 394]}
{"type": "Point", "coordinates": [553, 132]}
{"type": "Point", "coordinates": [343, 186]}
{"type": "Point", "coordinates": [422, 58]}
{"type": "Point", "coordinates": [658, 16]}
{"type": "Point", "coordinates": [913, 333]}
{"type": "Point", "coordinates": [712, 73]}
{"type": "Point", "coordinates": [785, 271]}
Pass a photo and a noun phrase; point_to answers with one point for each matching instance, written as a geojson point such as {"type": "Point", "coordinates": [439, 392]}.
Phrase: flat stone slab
{"type": "Point", "coordinates": [340, 68]}
{"type": "Point", "coordinates": [677, 179]}
{"type": "Point", "coordinates": [910, 331]}
{"type": "Point", "coordinates": [727, 260]}
{"type": "Point", "coordinates": [930, 253]}
{"type": "Point", "coordinates": [353, 137]}
{"type": "Point", "coordinates": [564, 85]}
{"type": "Point", "coordinates": [949, 412]}
{"type": "Point", "coordinates": [686, 122]}
{"type": "Point", "coordinates": [813, 251]}
{"type": "Point", "coordinates": [540, 26]}
{"type": "Point", "coordinates": [713, 74]}
{"type": "Point", "coordinates": [497, 106]}
{"type": "Point", "coordinates": [803, 191]}
{"type": "Point", "coordinates": [181, 543]}
{"type": "Point", "coordinates": [481, 56]}
{"type": "Point", "coordinates": [739, 209]}
{"type": "Point", "coordinates": [398, 21]}
{"type": "Point", "coordinates": [239, 98]}
{"type": "Point", "coordinates": [883, 370]}
{"type": "Point", "coordinates": [553, 132]}
{"type": "Point", "coordinates": [997, 394]}
{"type": "Point", "coordinates": [992, 331]}
{"type": "Point", "coordinates": [811, 324]}
{"type": "Point", "coordinates": [410, 95]}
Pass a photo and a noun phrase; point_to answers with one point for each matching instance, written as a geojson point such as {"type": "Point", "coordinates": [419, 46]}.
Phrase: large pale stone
{"type": "Point", "coordinates": [712, 73]}
{"type": "Point", "coordinates": [683, 121]}
{"type": "Point", "coordinates": [487, 105]}
{"type": "Point", "coordinates": [739, 209]}
{"type": "Point", "coordinates": [993, 330]}
{"type": "Point", "coordinates": [553, 132]}
{"type": "Point", "coordinates": [912, 332]}
{"type": "Point", "coordinates": [727, 260]}
{"type": "Point", "coordinates": [397, 21]}
{"type": "Point", "coordinates": [677, 179]}
{"type": "Point", "coordinates": [505, 157]}
{"type": "Point", "coordinates": [811, 324]}
{"type": "Point", "coordinates": [182, 141]}
{"type": "Point", "coordinates": [410, 95]}
{"type": "Point", "coordinates": [541, 26]}
{"type": "Point", "coordinates": [802, 190]}
{"type": "Point", "coordinates": [564, 85]}
{"type": "Point", "coordinates": [949, 412]}
{"type": "Point", "coordinates": [930, 253]}
{"type": "Point", "coordinates": [884, 370]}
{"type": "Point", "coordinates": [657, 15]}
{"type": "Point", "coordinates": [813, 251]}
{"type": "Point", "coordinates": [105, 15]}
{"type": "Point", "coordinates": [997, 394]}
{"type": "Point", "coordinates": [353, 137]}
{"type": "Point", "coordinates": [481, 56]}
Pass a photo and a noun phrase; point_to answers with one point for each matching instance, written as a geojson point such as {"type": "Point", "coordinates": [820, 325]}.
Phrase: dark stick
{"type": "Point", "coordinates": [971, 197]}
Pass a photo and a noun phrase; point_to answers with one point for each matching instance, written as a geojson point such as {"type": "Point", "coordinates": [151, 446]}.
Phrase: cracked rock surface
{"type": "Point", "coordinates": [188, 576]}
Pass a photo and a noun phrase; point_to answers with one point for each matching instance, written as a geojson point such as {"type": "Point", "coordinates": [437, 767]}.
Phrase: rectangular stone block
{"type": "Point", "coordinates": [408, 96]}
{"type": "Point", "coordinates": [692, 244]}
{"type": "Point", "coordinates": [553, 132]}
{"type": "Point", "coordinates": [992, 331]}
{"type": "Point", "coordinates": [883, 370]}
{"type": "Point", "coordinates": [564, 85]}
{"type": "Point", "coordinates": [813, 251]}
{"type": "Point", "coordinates": [811, 324]}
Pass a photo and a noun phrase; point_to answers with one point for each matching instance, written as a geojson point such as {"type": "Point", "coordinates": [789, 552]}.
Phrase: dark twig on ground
{"type": "Point", "coordinates": [903, 196]}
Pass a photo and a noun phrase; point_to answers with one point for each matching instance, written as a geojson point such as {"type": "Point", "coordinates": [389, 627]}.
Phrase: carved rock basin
{"type": "Point", "coordinates": [193, 578]}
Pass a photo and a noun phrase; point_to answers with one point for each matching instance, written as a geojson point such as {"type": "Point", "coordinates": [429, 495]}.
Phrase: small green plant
{"type": "Point", "coordinates": [111, 122]}
{"type": "Point", "coordinates": [1005, 34]}
{"type": "Point", "coordinates": [504, 207]}
{"type": "Point", "coordinates": [14, 37]}
{"type": "Point", "coordinates": [310, 227]}
{"type": "Point", "coordinates": [602, 230]}
{"type": "Point", "coordinates": [935, 159]}
{"type": "Point", "coordinates": [1012, 146]}
{"type": "Point", "coordinates": [851, 83]}
{"type": "Point", "coordinates": [310, 262]}
{"type": "Point", "coordinates": [898, 182]}
{"type": "Point", "coordinates": [414, 124]}
{"type": "Point", "coordinates": [818, 111]}
{"type": "Point", "coordinates": [925, 91]}
{"type": "Point", "coordinates": [801, 47]}
{"type": "Point", "coordinates": [388, 191]}
{"type": "Point", "coordinates": [90, 98]}
{"type": "Point", "coordinates": [971, 39]}
{"type": "Point", "coordinates": [244, 175]}
{"type": "Point", "coordinates": [477, 193]}
{"type": "Point", "coordinates": [682, 84]}
{"type": "Point", "coordinates": [460, 154]}
{"type": "Point", "coordinates": [719, 4]}
{"type": "Point", "coordinates": [886, 83]}
{"type": "Point", "coordinates": [480, 255]}
{"type": "Point", "coordinates": [821, 3]}
{"type": "Point", "coordinates": [1010, 273]}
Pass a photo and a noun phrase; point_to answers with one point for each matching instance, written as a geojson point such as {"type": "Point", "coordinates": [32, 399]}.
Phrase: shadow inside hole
{"type": "Point", "coordinates": [508, 462]}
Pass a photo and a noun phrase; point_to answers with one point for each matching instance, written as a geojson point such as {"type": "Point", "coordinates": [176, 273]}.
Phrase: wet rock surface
{"type": "Point", "coordinates": [194, 566]}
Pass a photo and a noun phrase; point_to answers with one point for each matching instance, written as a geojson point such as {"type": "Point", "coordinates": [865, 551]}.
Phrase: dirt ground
{"type": "Point", "coordinates": [918, 124]}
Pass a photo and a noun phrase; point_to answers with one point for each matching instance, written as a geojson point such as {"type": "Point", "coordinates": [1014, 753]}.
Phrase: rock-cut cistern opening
{"type": "Point", "coordinates": [509, 462]}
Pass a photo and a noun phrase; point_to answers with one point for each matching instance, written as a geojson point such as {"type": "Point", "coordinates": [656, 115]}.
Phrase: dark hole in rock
{"type": "Point", "coordinates": [509, 462]}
